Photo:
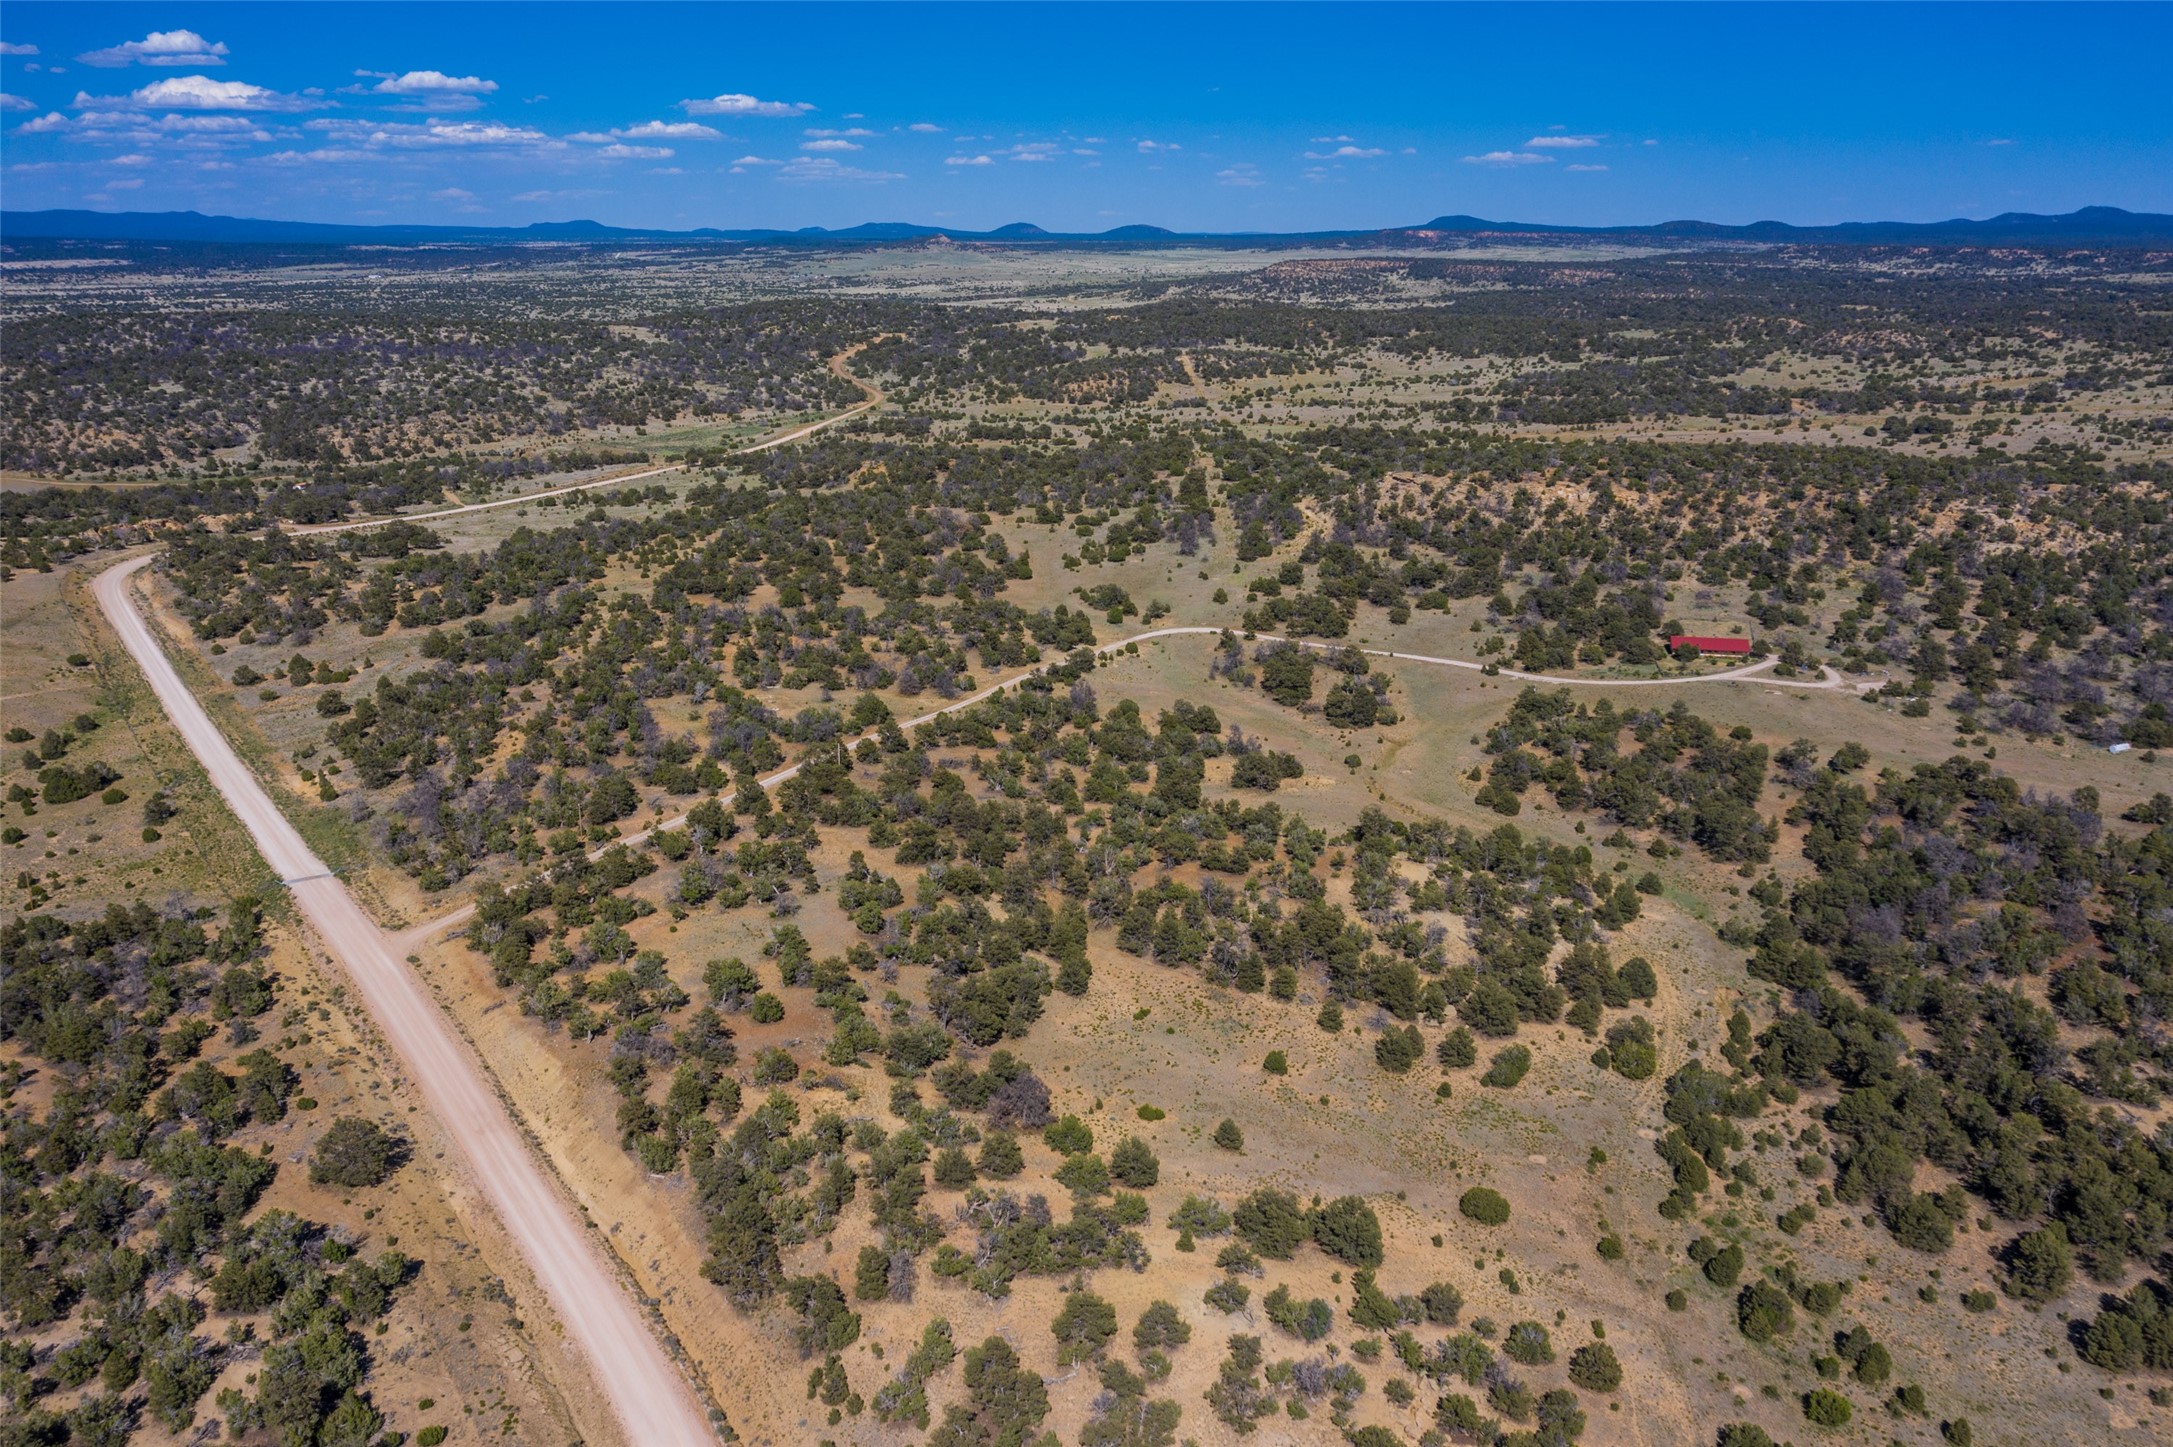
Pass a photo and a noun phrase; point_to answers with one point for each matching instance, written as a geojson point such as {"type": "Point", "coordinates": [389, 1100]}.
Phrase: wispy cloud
{"type": "Point", "coordinates": [824, 168]}
{"type": "Point", "coordinates": [9, 47]}
{"type": "Point", "coordinates": [967, 161]}
{"type": "Point", "coordinates": [1509, 158]}
{"type": "Point", "coordinates": [851, 132]}
{"type": "Point", "coordinates": [926, 128]}
{"type": "Point", "coordinates": [733, 104]}
{"type": "Point", "coordinates": [832, 143]}
{"type": "Point", "coordinates": [1147, 148]}
{"type": "Point", "coordinates": [15, 103]}
{"type": "Point", "coordinates": [1033, 151]}
{"type": "Point", "coordinates": [160, 47]}
{"type": "Point", "coordinates": [436, 134]}
{"type": "Point", "coordinates": [618, 152]}
{"type": "Point", "coordinates": [134, 128]}
{"type": "Point", "coordinates": [1346, 153]}
{"type": "Point", "coordinates": [1584, 168]}
{"type": "Point", "coordinates": [201, 93]}
{"type": "Point", "coordinates": [1240, 175]}
{"type": "Point", "coordinates": [1997, 141]}
{"type": "Point", "coordinates": [1562, 143]}
{"type": "Point", "coordinates": [652, 131]}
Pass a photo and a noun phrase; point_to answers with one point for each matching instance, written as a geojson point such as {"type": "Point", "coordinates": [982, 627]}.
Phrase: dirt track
{"type": "Point", "coordinates": [648, 1394]}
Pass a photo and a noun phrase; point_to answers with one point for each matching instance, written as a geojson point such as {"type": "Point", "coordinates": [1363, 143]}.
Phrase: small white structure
{"type": "Point", "coordinates": [2120, 748]}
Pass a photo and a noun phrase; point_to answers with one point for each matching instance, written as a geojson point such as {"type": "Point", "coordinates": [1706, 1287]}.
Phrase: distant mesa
{"type": "Point", "coordinates": [2092, 226]}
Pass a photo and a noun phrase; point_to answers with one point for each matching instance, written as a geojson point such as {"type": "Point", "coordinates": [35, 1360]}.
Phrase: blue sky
{"type": "Point", "coordinates": [1214, 117]}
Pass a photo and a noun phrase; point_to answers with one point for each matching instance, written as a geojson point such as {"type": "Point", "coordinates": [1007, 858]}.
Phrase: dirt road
{"type": "Point", "coordinates": [651, 1399]}
{"type": "Point", "coordinates": [875, 399]}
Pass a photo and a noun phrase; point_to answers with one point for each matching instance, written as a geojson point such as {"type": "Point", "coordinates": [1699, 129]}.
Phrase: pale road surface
{"type": "Point", "coordinates": [651, 1399]}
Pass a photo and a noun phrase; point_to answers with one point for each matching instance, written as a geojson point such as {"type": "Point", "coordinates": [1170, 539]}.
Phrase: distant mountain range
{"type": "Point", "coordinates": [2093, 226]}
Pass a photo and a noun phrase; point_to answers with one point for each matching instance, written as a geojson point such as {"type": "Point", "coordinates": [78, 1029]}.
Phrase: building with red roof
{"type": "Point", "coordinates": [1676, 644]}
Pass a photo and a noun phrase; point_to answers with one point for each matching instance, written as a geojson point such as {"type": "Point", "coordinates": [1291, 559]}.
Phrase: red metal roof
{"type": "Point", "coordinates": [1710, 645]}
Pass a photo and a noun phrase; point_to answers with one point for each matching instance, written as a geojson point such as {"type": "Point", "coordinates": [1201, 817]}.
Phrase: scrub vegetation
{"type": "Point", "coordinates": [1013, 1028]}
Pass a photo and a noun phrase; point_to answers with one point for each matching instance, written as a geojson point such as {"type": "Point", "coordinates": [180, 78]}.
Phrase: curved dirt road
{"type": "Point", "coordinates": [413, 937]}
{"type": "Point", "coordinates": [875, 398]}
{"type": "Point", "coordinates": [649, 1396]}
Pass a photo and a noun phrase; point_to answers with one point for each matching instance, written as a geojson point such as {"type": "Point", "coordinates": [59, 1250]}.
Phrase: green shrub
{"type": "Point", "coordinates": [1827, 1408]}
{"type": "Point", "coordinates": [1228, 1136]}
{"type": "Point", "coordinates": [1276, 1063]}
{"type": "Point", "coordinates": [1484, 1205]}
{"type": "Point", "coordinates": [1763, 1311]}
{"type": "Point", "coordinates": [1595, 1367]}
{"type": "Point", "coordinates": [1398, 1050]}
{"type": "Point", "coordinates": [1347, 1229]}
{"type": "Point", "coordinates": [1507, 1067]}
{"type": "Point", "coordinates": [354, 1152]}
{"type": "Point", "coordinates": [1133, 1164]}
{"type": "Point", "coordinates": [1068, 1136]}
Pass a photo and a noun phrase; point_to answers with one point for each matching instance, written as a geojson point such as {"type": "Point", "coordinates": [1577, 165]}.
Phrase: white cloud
{"type": "Point", "coordinates": [1561, 143]}
{"type": "Point", "coordinates": [861, 132]}
{"type": "Point", "coordinates": [9, 47]}
{"type": "Point", "coordinates": [1084, 151]}
{"type": "Point", "coordinates": [132, 159]}
{"type": "Point", "coordinates": [1652, 143]}
{"type": "Point", "coordinates": [452, 193]}
{"type": "Point", "coordinates": [743, 105]}
{"type": "Point", "coordinates": [1508, 158]}
{"type": "Point", "coordinates": [616, 152]}
{"type": "Point", "coordinates": [199, 93]}
{"type": "Point", "coordinates": [1346, 153]}
{"type": "Point", "coordinates": [436, 134]}
{"type": "Point", "coordinates": [926, 128]}
{"type": "Point", "coordinates": [823, 168]}
{"type": "Point", "coordinates": [1240, 176]}
{"type": "Point", "coordinates": [832, 144]}
{"type": "Point", "coordinates": [754, 161]}
{"type": "Point", "coordinates": [2001, 141]}
{"type": "Point", "coordinates": [1330, 140]}
{"type": "Point", "coordinates": [967, 161]}
{"type": "Point", "coordinates": [1585, 168]}
{"type": "Point", "coordinates": [322, 153]}
{"type": "Point", "coordinates": [428, 83]}
{"type": "Point", "coordinates": [652, 131]}
{"type": "Point", "coordinates": [15, 103]}
{"type": "Point", "coordinates": [46, 124]}
{"type": "Point", "coordinates": [1148, 147]}
{"type": "Point", "coordinates": [126, 183]}
{"type": "Point", "coordinates": [671, 131]}
{"type": "Point", "coordinates": [1033, 151]}
{"type": "Point", "coordinates": [160, 47]}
